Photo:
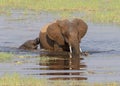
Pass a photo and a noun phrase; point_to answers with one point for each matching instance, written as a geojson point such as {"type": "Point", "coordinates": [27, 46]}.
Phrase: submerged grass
{"type": "Point", "coordinates": [16, 80]}
{"type": "Point", "coordinates": [5, 56]}
{"type": "Point", "coordinates": [97, 10]}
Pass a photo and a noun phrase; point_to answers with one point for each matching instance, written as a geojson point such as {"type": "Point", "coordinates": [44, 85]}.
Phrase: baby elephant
{"type": "Point", "coordinates": [30, 44]}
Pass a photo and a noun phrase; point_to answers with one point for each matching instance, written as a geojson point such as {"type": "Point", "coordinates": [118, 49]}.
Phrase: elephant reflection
{"type": "Point", "coordinates": [72, 68]}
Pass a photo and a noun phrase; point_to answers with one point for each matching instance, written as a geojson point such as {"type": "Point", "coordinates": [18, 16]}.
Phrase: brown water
{"type": "Point", "coordinates": [102, 42]}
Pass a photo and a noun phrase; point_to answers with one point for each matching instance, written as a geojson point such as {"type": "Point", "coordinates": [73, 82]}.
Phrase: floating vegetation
{"type": "Point", "coordinates": [5, 56]}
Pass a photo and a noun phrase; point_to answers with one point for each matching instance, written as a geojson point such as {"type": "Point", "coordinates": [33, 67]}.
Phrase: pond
{"type": "Point", "coordinates": [102, 41]}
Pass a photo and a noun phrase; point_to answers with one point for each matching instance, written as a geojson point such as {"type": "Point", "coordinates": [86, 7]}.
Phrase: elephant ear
{"type": "Point", "coordinates": [63, 24]}
{"type": "Point", "coordinates": [81, 27]}
{"type": "Point", "coordinates": [54, 33]}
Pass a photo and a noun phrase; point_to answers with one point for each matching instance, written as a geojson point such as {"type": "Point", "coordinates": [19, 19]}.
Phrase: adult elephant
{"type": "Point", "coordinates": [63, 35]}
{"type": "Point", "coordinates": [49, 43]}
{"type": "Point", "coordinates": [45, 41]}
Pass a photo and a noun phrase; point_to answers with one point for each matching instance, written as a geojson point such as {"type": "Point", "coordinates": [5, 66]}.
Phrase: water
{"type": "Point", "coordinates": [102, 41]}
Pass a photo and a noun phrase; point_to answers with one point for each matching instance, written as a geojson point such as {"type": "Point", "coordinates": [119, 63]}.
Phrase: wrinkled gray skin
{"type": "Point", "coordinates": [30, 44]}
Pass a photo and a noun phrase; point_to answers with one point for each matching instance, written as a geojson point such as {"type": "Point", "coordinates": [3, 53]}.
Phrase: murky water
{"type": "Point", "coordinates": [102, 42]}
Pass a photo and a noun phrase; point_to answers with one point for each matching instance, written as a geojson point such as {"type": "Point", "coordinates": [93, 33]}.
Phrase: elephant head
{"type": "Point", "coordinates": [81, 26]}
{"type": "Point", "coordinates": [30, 44]}
{"type": "Point", "coordinates": [64, 32]}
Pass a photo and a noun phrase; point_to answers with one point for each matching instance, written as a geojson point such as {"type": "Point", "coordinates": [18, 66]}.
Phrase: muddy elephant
{"type": "Point", "coordinates": [63, 35]}
{"type": "Point", "coordinates": [48, 43]}
{"type": "Point", "coordinates": [30, 44]}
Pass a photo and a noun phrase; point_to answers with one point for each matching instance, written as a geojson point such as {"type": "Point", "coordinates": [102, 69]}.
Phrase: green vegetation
{"type": "Point", "coordinates": [5, 56]}
{"type": "Point", "coordinates": [16, 80]}
{"type": "Point", "coordinates": [97, 10]}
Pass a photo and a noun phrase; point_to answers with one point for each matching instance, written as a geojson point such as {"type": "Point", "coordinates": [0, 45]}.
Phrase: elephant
{"type": "Point", "coordinates": [48, 43]}
{"type": "Point", "coordinates": [30, 44]}
{"type": "Point", "coordinates": [63, 35]}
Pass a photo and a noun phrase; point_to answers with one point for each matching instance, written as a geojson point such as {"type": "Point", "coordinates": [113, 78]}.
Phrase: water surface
{"type": "Point", "coordinates": [102, 41]}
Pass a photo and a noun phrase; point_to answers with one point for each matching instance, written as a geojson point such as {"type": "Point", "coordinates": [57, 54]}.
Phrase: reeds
{"type": "Point", "coordinates": [5, 56]}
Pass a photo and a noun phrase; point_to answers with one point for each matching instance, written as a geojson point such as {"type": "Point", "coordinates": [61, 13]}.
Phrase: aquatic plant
{"type": "Point", "coordinates": [5, 56]}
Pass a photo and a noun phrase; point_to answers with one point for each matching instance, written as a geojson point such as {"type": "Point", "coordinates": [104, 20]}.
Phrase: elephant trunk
{"type": "Point", "coordinates": [74, 49]}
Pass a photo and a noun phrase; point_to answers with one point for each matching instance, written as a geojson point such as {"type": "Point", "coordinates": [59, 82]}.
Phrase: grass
{"type": "Point", "coordinates": [5, 56]}
{"type": "Point", "coordinates": [103, 11]}
{"type": "Point", "coordinates": [17, 80]}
